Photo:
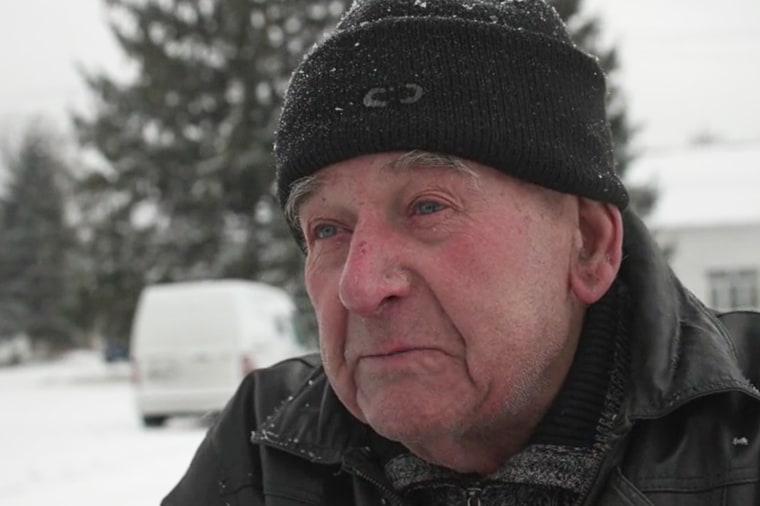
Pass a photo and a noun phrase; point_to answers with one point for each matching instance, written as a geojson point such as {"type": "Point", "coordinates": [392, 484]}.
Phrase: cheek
{"type": "Point", "coordinates": [321, 282]}
{"type": "Point", "coordinates": [322, 291]}
{"type": "Point", "coordinates": [488, 264]}
{"type": "Point", "coordinates": [322, 288]}
{"type": "Point", "coordinates": [332, 319]}
{"type": "Point", "coordinates": [514, 274]}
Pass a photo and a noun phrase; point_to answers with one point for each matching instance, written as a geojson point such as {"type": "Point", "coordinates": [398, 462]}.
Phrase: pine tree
{"type": "Point", "coordinates": [37, 243]}
{"type": "Point", "coordinates": [585, 31]}
{"type": "Point", "coordinates": [186, 147]}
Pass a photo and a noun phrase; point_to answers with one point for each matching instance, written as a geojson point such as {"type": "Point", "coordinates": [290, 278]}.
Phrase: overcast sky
{"type": "Point", "coordinates": [689, 66]}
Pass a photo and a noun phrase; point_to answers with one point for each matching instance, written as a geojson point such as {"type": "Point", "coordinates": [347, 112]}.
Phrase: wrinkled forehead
{"type": "Point", "coordinates": [390, 163]}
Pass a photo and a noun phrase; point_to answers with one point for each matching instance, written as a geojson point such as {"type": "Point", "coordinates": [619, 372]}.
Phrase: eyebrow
{"type": "Point", "coordinates": [418, 158]}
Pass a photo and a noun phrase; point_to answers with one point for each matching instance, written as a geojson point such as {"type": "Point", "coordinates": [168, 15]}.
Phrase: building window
{"type": "Point", "coordinates": [733, 289]}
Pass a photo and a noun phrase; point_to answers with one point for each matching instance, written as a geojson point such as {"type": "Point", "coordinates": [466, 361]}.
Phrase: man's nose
{"type": "Point", "coordinates": [373, 273]}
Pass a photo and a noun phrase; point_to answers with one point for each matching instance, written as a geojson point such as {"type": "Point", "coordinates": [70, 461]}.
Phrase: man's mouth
{"type": "Point", "coordinates": [397, 351]}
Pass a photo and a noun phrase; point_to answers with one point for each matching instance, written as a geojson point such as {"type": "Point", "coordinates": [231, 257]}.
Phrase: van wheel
{"type": "Point", "coordinates": [154, 421]}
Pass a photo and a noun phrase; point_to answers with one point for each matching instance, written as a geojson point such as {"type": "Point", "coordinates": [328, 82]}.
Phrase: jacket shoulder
{"type": "Point", "coordinates": [707, 452]}
{"type": "Point", "coordinates": [224, 465]}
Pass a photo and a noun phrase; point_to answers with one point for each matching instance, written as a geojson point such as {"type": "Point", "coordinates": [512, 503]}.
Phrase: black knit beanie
{"type": "Point", "coordinates": [494, 81]}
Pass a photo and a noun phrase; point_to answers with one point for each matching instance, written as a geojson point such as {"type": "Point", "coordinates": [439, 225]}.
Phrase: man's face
{"type": "Point", "coordinates": [443, 300]}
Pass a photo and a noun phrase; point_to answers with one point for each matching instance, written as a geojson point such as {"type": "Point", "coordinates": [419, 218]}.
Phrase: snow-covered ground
{"type": "Point", "coordinates": [69, 435]}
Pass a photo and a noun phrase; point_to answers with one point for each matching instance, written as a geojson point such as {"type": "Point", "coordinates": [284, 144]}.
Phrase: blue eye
{"type": "Point", "coordinates": [325, 230]}
{"type": "Point", "coordinates": [428, 207]}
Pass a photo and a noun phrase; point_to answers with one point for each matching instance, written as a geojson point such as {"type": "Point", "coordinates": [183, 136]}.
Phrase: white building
{"type": "Point", "coordinates": [707, 218]}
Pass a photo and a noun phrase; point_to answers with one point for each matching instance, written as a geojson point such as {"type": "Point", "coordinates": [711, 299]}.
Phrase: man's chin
{"type": "Point", "coordinates": [404, 420]}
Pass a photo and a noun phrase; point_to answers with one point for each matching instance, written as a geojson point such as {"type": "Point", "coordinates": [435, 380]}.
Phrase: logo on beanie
{"type": "Point", "coordinates": [405, 94]}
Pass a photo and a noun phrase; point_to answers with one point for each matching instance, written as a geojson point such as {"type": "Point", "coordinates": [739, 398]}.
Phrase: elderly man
{"type": "Point", "coordinates": [495, 328]}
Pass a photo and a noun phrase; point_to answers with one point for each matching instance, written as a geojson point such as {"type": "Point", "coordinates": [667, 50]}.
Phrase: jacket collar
{"type": "Point", "coordinates": [679, 352]}
{"type": "Point", "coordinates": [313, 424]}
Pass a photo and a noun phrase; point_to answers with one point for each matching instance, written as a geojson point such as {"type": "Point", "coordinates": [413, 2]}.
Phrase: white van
{"type": "Point", "coordinates": [193, 342]}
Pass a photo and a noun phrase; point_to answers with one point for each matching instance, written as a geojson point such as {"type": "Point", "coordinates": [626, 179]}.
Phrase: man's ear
{"type": "Point", "coordinates": [597, 258]}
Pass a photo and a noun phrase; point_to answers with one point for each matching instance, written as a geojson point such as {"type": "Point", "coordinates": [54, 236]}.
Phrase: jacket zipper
{"type": "Point", "coordinates": [389, 495]}
{"type": "Point", "coordinates": [473, 496]}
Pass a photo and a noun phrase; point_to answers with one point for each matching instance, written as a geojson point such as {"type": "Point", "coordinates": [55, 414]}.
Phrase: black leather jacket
{"type": "Point", "coordinates": [688, 432]}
